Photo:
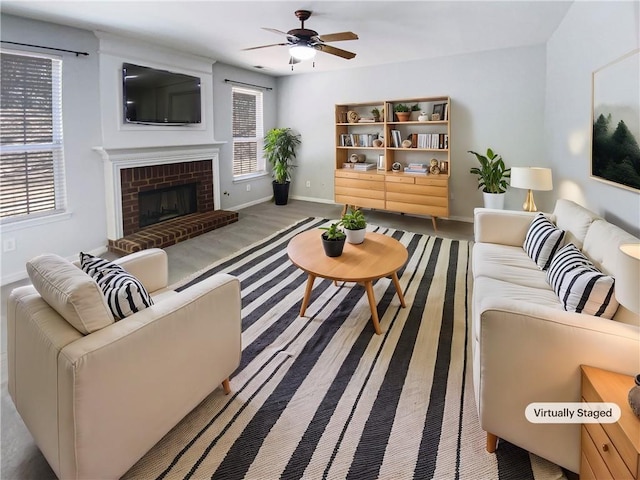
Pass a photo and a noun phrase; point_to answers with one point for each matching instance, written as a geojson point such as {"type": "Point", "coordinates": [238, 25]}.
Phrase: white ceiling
{"type": "Point", "coordinates": [389, 31]}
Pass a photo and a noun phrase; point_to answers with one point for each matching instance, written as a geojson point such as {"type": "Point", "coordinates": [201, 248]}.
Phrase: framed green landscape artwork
{"type": "Point", "coordinates": [615, 154]}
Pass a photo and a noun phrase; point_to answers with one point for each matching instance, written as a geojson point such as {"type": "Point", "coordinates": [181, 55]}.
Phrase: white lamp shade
{"type": "Point", "coordinates": [302, 52]}
{"type": "Point", "coordinates": [628, 276]}
{"type": "Point", "coordinates": [531, 178]}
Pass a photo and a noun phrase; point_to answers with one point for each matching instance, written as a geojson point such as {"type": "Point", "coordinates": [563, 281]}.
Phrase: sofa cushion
{"type": "Point", "coordinates": [124, 293]}
{"type": "Point", "coordinates": [508, 263]}
{"type": "Point", "coordinates": [542, 241]}
{"type": "Point", "coordinates": [567, 258]}
{"type": "Point", "coordinates": [70, 292]}
{"type": "Point", "coordinates": [574, 219]}
{"type": "Point", "coordinates": [587, 290]}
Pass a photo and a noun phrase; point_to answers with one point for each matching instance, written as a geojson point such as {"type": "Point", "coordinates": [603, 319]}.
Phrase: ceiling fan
{"type": "Point", "coordinates": [303, 43]}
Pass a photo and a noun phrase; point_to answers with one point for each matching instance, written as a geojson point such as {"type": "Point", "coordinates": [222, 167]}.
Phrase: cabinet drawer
{"type": "Point", "coordinates": [359, 192]}
{"type": "Point", "coordinates": [417, 199]}
{"type": "Point", "coordinates": [432, 210]}
{"type": "Point", "coordinates": [357, 183]}
{"type": "Point", "coordinates": [433, 180]}
{"type": "Point", "coordinates": [360, 201]}
{"type": "Point", "coordinates": [400, 179]}
{"type": "Point", "coordinates": [592, 455]}
{"type": "Point", "coordinates": [359, 175]}
{"type": "Point", "coordinates": [428, 190]}
{"type": "Point", "coordinates": [607, 451]}
{"type": "Point", "coordinates": [586, 472]}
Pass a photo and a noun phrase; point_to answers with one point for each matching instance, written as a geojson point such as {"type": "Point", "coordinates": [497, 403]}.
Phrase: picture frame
{"type": "Point", "coordinates": [438, 108]}
{"type": "Point", "coordinates": [615, 124]}
{"type": "Point", "coordinates": [381, 165]}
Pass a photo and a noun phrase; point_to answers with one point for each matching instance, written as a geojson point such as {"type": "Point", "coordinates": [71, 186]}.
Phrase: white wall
{"type": "Point", "coordinates": [85, 229]}
{"type": "Point", "coordinates": [235, 194]}
{"type": "Point", "coordinates": [591, 35]}
{"type": "Point", "coordinates": [497, 101]}
{"type": "Point", "coordinates": [114, 51]}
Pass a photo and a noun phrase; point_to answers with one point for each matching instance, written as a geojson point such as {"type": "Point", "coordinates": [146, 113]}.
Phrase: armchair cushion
{"type": "Point", "coordinates": [70, 292]}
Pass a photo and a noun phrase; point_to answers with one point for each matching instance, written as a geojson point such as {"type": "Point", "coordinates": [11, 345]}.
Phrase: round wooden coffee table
{"type": "Point", "coordinates": [378, 256]}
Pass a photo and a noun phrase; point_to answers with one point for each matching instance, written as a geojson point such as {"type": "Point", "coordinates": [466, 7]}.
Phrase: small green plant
{"type": "Point", "coordinates": [376, 113]}
{"type": "Point", "coordinates": [492, 173]}
{"type": "Point", "coordinates": [353, 220]}
{"type": "Point", "coordinates": [415, 108]}
{"type": "Point", "coordinates": [333, 232]}
{"type": "Point", "coordinates": [401, 107]}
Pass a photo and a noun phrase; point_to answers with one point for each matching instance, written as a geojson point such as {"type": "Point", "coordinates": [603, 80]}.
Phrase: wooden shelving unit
{"type": "Point", "coordinates": [381, 187]}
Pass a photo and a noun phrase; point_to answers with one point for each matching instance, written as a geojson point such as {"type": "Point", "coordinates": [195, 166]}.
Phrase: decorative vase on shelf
{"type": "Point", "coordinates": [423, 117]}
{"type": "Point", "coordinates": [634, 397]}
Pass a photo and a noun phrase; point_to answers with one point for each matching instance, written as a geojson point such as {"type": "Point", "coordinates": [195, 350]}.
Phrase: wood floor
{"type": "Point", "coordinates": [21, 459]}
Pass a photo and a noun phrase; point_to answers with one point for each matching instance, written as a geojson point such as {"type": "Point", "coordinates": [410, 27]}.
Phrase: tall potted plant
{"type": "Point", "coordinates": [492, 178]}
{"type": "Point", "coordinates": [280, 149]}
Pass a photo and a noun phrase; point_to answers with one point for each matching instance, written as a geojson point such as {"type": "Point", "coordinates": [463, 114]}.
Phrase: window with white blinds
{"type": "Point", "coordinates": [31, 149]}
{"type": "Point", "coordinates": [248, 132]}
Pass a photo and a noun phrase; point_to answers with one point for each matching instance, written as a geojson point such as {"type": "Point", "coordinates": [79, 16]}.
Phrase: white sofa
{"type": "Point", "coordinates": [96, 402]}
{"type": "Point", "coordinates": [526, 347]}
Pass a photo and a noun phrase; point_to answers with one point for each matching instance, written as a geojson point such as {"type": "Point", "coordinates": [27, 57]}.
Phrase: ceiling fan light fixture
{"type": "Point", "coordinates": [302, 52]}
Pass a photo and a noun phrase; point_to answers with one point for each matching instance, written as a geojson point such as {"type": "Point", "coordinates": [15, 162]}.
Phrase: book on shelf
{"type": "Point", "coordinates": [446, 111]}
{"type": "Point", "coordinates": [416, 170]}
{"type": "Point", "coordinates": [364, 166]}
{"type": "Point", "coordinates": [397, 138]}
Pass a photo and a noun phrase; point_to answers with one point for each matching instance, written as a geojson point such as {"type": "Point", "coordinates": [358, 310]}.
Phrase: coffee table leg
{"type": "Point", "coordinates": [307, 294]}
{"type": "Point", "coordinates": [396, 282]}
{"type": "Point", "coordinates": [372, 305]}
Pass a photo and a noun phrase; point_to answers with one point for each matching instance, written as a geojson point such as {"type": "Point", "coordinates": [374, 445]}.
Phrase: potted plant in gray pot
{"type": "Point", "coordinates": [355, 225]}
{"type": "Point", "coordinates": [492, 178]}
{"type": "Point", "coordinates": [333, 240]}
{"type": "Point", "coordinates": [280, 149]}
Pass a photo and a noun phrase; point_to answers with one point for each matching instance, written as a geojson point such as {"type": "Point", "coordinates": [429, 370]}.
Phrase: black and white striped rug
{"type": "Point", "coordinates": [323, 396]}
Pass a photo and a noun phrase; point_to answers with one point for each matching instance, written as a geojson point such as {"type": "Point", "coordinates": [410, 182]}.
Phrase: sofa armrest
{"type": "Point", "coordinates": [143, 374]}
{"type": "Point", "coordinates": [504, 227]}
{"type": "Point", "coordinates": [149, 266]}
{"type": "Point", "coordinates": [532, 353]}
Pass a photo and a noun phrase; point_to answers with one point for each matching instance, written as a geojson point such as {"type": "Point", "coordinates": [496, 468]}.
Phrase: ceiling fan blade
{"type": "Point", "coordinates": [279, 32]}
{"type": "Point", "coordinates": [337, 37]}
{"type": "Point", "coordinates": [335, 51]}
{"type": "Point", "coordinates": [293, 61]}
{"type": "Point", "coordinates": [265, 46]}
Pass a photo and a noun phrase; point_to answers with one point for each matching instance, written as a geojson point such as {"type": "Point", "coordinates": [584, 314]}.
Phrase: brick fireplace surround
{"type": "Point", "coordinates": [131, 171]}
{"type": "Point", "coordinates": [149, 178]}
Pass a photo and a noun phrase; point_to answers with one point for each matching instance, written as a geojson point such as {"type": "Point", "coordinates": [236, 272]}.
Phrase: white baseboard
{"type": "Point", "coordinates": [249, 204]}
{"type": "Point", "coordinates": [312, 199]}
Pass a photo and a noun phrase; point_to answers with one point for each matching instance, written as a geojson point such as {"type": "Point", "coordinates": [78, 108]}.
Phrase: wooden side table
{"type": "Point", "coordinates": [609, 450]}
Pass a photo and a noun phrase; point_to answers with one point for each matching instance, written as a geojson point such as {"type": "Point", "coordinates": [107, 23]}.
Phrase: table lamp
{"type": "Point", "coordinates": [628, 276]}
{"type": "Point", "coordinates": [531, 178]}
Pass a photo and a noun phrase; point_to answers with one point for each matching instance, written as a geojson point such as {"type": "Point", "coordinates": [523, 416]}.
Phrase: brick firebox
{"type": "Point", "coordinates": [148, 178]}
{"type": "Point", "coordinates": [144, 179]}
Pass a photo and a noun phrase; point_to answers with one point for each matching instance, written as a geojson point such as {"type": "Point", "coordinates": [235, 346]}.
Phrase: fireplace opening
{"type": "Point", "coordinates": [156, 206]}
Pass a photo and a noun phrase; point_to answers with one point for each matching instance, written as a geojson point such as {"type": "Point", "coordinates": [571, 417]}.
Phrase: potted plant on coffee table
{"type": "Point", "coordinates": [280, 149]}
{"type": "Point", "coordinates": [355, 225]}
{"type": "Point", "coordinates": [333, 240]}
{"type": "Point", "coordinates": [492, 178]}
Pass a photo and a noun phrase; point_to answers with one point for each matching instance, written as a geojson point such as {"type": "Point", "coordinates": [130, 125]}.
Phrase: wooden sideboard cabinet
{"type": "Point", "coordinates": [609, 450]}
{"type": "Point", "coordinates": [364, 141]}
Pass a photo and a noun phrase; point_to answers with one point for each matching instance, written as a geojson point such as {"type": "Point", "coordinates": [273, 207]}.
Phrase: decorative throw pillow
{"type": "Point", "coordinates": [587, 290]}
{"type": "Point", "coordinates": [91, 264]}
{"type": "Point", "coordinates": [124, 293]}
{"type": "Point", "coordinates": [542, 241]}
{"type": "Point", "coordinates": [565, 260]}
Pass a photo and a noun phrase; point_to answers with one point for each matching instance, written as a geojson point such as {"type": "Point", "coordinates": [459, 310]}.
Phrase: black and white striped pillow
{"type": "Point", "coordinates": [587, 290]}
{"type": "Point", "coordinates": [124, 293]}
{"type": "Point", "coordinates": [565, 260]}
{"type": "Point", "coordinates": [542, 241]}
{"type": "Point", "coordinates": [92, 265]}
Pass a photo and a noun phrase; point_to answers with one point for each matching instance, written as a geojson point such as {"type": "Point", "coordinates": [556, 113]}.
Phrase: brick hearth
{"type": "Point", "coordinates": [173, 231]}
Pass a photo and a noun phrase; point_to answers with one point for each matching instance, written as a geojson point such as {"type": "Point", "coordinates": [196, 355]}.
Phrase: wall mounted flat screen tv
{"type": "Point", "coordinates": [153, 96]}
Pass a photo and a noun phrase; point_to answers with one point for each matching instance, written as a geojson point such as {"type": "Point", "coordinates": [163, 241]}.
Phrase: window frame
{"type": "Point", "coordinates": [261, 169]}
{"type": "Point", "coordinates": [56, 147]}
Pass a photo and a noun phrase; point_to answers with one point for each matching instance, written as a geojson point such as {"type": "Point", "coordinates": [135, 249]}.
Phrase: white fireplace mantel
{"type": "Point", "coordinates": [117, 159]}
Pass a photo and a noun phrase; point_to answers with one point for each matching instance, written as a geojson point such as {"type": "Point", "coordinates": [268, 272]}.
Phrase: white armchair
{"type": "Point", "coordinates": [97, 402]}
